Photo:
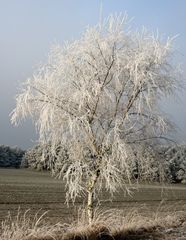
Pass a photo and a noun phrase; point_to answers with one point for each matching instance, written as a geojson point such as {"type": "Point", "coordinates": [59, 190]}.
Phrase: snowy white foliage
{"type": "Point", "coordinates": [98, 98]}
{"type": "Point", "coordinates": [175, 159]}
{"type": "Point", "coordinates": [40, 157]}
{"type": "Point", "coordinates": [37, 157]}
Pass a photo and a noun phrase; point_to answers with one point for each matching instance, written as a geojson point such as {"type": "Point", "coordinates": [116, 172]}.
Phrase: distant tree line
{"type": "Point", "coordinates": [40, 157]}
{"type": "Point", "coordinates": [169, 159]}
{"type": "Point", "coordinates": [167, 163]}
{"type": "Point", "coordinates": [10, 157]}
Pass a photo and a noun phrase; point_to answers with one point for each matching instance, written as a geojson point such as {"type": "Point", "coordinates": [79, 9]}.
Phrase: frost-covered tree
{"type": "Point", "coordinates": [175, 159]}
{"type": "Point", "coordinates": [10, 157]}
{"type": "Point", "coordinates": [40, 157]}
{"type": "Point", "coordinates": [157, 165]}
{"type": "Point", "coordinates": [98, 98]}
{"type": "Point", "coordinates": [37, 157]}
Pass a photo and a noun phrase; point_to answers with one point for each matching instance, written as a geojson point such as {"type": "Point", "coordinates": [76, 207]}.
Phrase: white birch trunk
{"type": "Point", "coordinates": [90, 206]}
{"type": "Point", "coordinates": [90, 201]}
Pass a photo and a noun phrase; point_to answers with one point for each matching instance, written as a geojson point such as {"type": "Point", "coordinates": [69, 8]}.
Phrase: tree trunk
{"type": "Point", "coordinates": [90, 202]}
{"type": "Point", "coordinates": [90, 206]}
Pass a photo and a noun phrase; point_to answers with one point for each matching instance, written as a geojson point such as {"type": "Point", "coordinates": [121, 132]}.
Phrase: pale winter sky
{"type": "Point", "coordinates": [29, 27]}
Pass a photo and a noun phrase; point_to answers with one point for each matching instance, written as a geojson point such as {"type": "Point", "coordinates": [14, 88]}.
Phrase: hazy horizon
{"type": "Point", "coordinates": [30, 28]}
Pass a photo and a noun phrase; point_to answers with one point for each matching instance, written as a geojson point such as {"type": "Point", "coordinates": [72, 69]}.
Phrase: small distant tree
{"type": "Point", "coordinates": [10, 157]}
{"type": "Point", "coordinates": [98, 98]}
{"type": "Point", "coordinates": [37, 157]}
{"type": "Point", "coordinates": [41, 158]}
{"type": "Point", "coordinates": [175, 159]}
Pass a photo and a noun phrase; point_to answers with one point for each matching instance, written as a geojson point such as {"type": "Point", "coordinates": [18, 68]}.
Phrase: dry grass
{"type": "Point", "coordinates": [111, 224]}
{"type": "Point", "coordinates": [26, 226]}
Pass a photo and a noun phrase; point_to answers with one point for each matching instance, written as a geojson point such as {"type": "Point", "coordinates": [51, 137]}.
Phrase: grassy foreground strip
{"type": "Point", "coordinates": [111, 224]}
